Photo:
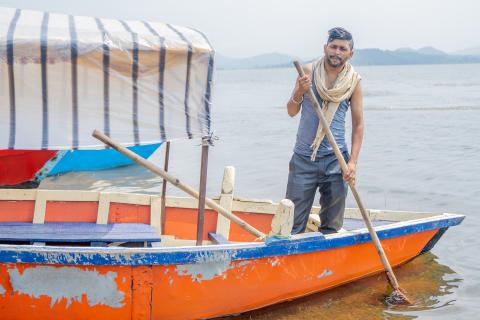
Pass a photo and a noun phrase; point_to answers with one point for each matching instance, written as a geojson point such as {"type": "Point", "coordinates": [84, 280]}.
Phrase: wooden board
{"type": "Point", "coordinates": [78, 232]}
{"type": "Point", "coordinates": [217, 238]}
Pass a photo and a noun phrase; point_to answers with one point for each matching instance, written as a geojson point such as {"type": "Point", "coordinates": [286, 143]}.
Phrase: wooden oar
{"type": "Point", "coordinates": [397, 296]}
{"type": "Point", "coordinates": [173, 180]}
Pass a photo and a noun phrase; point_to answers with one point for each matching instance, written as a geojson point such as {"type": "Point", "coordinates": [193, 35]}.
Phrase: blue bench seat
{"type": "Point", "coordinates": [217, 238]}
{"type": "Point", "coordinates": [78, 232]}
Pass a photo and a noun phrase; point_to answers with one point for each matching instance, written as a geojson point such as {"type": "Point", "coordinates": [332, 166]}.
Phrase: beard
{"type": "Point", "coordinates": [339, 62]}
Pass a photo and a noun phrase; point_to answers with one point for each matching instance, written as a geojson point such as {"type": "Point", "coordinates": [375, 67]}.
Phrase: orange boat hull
{"type": "Point", "coordinates": [183, 282]}
{"type": "Point", "coordinates": [187, 291]}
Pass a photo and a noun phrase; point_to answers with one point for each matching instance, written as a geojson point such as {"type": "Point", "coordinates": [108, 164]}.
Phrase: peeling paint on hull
{"type": "Point", "coordinates": [208, 270]}
{"type": "Point", "coordinates": [325, 273]}
{"type": "Point", "coordinates": [69, 283]}
{"type": "Point", "coordinates": [203, 271]}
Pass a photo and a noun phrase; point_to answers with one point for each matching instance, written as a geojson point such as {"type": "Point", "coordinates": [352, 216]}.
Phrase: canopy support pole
{"type": "Point", "coordinates": [202, 191]}
{"type": "Point", "coordinates": [164, 187]}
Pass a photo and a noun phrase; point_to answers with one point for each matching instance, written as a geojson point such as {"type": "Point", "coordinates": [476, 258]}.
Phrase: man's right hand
{"type": "Point", "coordinates": [303, 85]}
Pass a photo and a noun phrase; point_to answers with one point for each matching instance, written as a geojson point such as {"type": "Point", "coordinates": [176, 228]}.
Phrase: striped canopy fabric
{"type": "Point", "coordinates": [62, 76]}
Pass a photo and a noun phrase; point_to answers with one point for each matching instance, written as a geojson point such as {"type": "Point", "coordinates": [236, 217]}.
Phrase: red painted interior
{"type": "Point", "coordinates": [128, 213]}
{"type": "Point", "coordinates": [17, 211]}
{"type": "Point", "coordinates": [180, 222]}
{"type": "Point", "coordinates": [71, 211]}
{"type": "Point", "coordinates": [263, 222]}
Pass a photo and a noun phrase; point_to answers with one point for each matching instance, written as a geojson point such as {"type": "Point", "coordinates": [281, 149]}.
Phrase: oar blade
{"type": "Point", "coordinates": [398, 298]}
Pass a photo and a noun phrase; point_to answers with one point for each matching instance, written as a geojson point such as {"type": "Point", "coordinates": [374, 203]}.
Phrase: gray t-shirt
{"type": "Point", "coordinates": [307, 128]}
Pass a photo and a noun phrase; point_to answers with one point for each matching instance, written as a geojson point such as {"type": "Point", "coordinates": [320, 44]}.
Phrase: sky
{"type": "Point", "coordinates": [244, 28]}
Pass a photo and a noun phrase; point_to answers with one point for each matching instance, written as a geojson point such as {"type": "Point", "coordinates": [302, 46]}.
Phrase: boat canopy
{"type": "Point", "coordinates": [62, 76]}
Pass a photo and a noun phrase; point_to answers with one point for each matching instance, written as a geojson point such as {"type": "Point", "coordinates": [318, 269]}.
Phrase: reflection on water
{"type": "Point", "coordinates": [427, 282]}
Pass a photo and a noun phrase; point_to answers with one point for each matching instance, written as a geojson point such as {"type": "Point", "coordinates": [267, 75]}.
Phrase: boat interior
{"type": "Point", "coordinates": [92, 218]}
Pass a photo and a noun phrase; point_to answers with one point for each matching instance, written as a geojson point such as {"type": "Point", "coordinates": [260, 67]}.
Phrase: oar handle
{"type": "Point", "coordinates": [176, 182]}
{"type": "Point", "coordinates": [328, 133]}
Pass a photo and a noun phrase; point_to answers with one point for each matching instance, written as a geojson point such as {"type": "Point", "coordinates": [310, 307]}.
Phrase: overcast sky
{"type": "Point", "coordinates": [299, 27]}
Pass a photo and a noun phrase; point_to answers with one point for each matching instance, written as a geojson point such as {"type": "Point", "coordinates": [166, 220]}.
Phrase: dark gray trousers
{"type": "Point", "coordinates": [304, 178]}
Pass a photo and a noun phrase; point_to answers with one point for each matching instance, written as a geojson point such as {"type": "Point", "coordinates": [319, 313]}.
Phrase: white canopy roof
{"type": "Point", "coordinates": [63, 76]}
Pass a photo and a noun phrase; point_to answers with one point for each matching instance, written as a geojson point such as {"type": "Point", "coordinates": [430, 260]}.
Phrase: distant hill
{"type": "Point", "coordinates": [431, 51]}
{"type": "Point", "coordinates": [373, 56]}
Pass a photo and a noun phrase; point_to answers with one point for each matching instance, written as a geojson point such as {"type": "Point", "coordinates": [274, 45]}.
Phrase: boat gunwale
{"type": "Point", "coordinates": [239, 204]}
{"type": "Point", "coordinates": [296, 244]}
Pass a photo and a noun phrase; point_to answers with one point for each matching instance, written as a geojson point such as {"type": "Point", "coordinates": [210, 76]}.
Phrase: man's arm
{"type": "Point", "coordinates": [302, 85]}
{"type": "Point", "coordinates": [356, 107]}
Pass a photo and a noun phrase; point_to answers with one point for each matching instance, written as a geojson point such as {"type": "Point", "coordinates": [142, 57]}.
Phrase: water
{"type": "Point", "coordinates": [421, 152]}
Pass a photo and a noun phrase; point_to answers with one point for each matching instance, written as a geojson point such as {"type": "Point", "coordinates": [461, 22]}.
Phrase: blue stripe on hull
{"type": "Point", "coordinates": [303, 243]}
{"type": "Point", "coordinates": [92, 160]}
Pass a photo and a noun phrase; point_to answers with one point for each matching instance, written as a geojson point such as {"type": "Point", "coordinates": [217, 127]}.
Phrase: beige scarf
{"type": "Point", "coordinates": [342, 89]}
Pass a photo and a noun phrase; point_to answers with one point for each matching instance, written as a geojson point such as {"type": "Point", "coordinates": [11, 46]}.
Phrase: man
{"type": "Point", "coordinates": [313, 164]}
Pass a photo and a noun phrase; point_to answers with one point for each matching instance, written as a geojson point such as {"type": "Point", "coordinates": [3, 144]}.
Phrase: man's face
{"type": "Point", "coordinates": [337, 52]}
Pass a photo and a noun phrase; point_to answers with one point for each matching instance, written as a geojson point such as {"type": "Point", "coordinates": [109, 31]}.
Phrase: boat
{"type": "Point", "coordinates": [79, 254]}
{"type": "Point", "coordinates": [27, 168]}
{"type": "Point", "coordinates": [19, 167]}
{"type": "Point", "coordinates": [230, 273]}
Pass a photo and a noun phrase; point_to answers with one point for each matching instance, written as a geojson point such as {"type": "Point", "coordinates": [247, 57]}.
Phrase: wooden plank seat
{"type": "Point", "coordinates": [217, 238]}
{"type": "Point", "coordinates": [78, 232]}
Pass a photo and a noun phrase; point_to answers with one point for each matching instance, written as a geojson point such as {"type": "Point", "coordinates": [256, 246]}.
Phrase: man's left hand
{"type": "Point", "coordinates": [350, 174]}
